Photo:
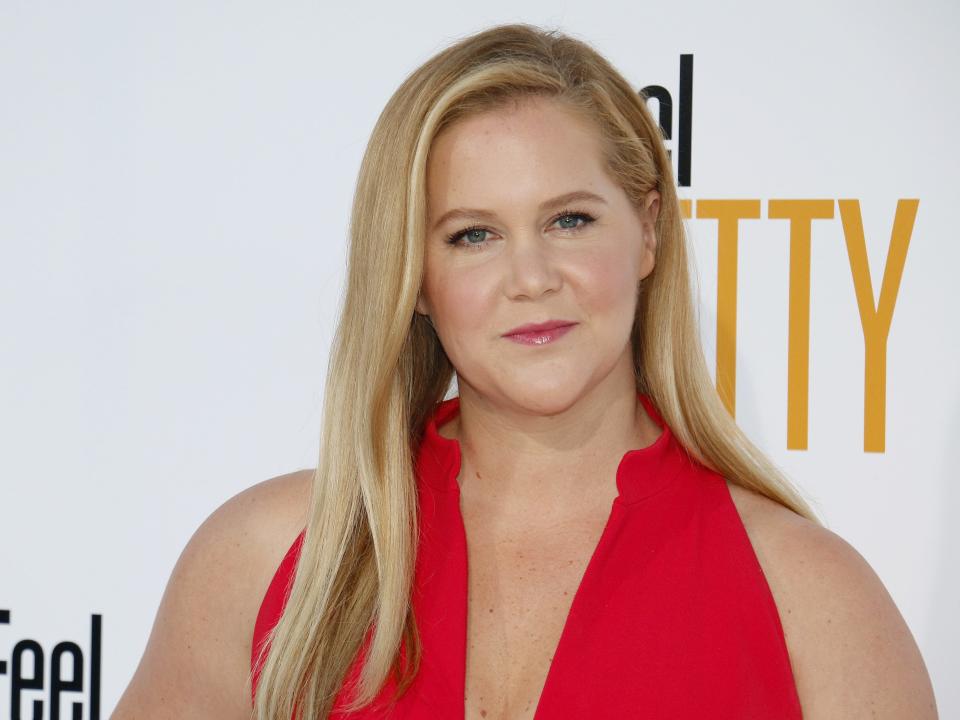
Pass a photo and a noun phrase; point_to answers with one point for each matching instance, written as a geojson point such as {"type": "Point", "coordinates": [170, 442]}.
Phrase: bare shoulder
{"type": "Point", "coordinates": [197, 660]}
{"type": "Point", "coordinates": [852, 653]}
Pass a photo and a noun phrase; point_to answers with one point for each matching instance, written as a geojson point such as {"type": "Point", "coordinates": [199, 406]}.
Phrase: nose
{"type": "Point", "coordinates": [533, 270]}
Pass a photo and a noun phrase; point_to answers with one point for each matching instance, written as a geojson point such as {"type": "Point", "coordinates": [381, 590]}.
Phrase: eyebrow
{"type": "Point", "coordinates": [468, 213]}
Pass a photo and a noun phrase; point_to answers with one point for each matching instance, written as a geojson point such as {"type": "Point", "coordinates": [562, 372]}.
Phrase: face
{"type": "Point", "coordinates": [524, 254]}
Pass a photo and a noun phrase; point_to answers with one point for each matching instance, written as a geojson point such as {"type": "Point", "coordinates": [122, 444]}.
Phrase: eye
{"type": "Point", "coordinates": [470, 232]}
{"type": "Point", "coordinates": [471, 236]}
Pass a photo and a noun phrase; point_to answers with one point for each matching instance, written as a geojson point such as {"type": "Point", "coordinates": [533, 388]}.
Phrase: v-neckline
{"type": "Point", "coordinates": [637, 477]}
{"type": "Point", "coordinates": [557, 655]}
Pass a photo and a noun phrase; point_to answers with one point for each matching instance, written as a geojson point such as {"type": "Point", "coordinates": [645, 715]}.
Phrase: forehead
{"type": "Point", "coordinates": [529, 150]}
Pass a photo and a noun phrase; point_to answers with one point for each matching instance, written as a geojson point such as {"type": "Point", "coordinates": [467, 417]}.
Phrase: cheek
{"type": "Point", "coordinates": [608, 284]}
{"type": "Point", "coordinates": [461, 305]}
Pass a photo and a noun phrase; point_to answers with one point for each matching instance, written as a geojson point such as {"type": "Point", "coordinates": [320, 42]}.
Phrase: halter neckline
{"type": "Point", "coordinates": [640, 473]}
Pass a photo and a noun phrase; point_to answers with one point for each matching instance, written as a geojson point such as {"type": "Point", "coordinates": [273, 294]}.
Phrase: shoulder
{"type": "Point", "coordinates": [851, 650]}
{"type": "Point", "coordinates": [197, 659]}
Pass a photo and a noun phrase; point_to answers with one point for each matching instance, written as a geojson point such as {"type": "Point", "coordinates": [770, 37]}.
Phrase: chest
{"type": "Point", "coordinates": [659, 609]}
{"type": "Point", "coordinates": [521, 583]}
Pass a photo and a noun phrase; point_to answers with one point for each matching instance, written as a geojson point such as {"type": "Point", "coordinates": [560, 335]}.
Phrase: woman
{"type": "Point", "coordinates": [631, 553]}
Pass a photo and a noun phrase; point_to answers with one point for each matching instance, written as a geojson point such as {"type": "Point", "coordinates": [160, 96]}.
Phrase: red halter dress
{"type": "Point", "coordinates": [673, 617]}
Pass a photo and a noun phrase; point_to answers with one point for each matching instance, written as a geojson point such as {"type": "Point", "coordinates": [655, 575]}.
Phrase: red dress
{"type": "Point", "coordinates": [673, 617]}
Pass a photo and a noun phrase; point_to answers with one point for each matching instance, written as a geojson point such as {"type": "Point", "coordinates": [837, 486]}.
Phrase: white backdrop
{"type": "Point", "coordinates": [175, 188]}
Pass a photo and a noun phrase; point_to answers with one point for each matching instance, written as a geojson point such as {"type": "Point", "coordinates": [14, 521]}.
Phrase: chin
{"type": "Point", "coordinates": [545, 398]}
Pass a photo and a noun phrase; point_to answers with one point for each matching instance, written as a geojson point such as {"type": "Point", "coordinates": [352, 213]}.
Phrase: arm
{"type": "Point", "coordinates": [197, 660]}
{"type": "Point", "coordinates": [852, 652]}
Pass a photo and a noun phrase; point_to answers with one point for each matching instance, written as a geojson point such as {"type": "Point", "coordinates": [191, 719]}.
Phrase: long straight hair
{"type": "Point", "coordinates": [388, 370]}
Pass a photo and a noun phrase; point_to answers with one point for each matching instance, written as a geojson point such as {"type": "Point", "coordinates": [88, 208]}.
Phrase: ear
{"type": "Point", "coordinates": [651, 207]}
{"type": "Point", "coordinates": [421, 306]}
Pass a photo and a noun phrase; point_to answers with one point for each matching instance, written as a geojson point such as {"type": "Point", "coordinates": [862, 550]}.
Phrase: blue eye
{"type": "Point", "coordinates": [462, 237]}
{"type": "Point", "coordinates": [466, 233]}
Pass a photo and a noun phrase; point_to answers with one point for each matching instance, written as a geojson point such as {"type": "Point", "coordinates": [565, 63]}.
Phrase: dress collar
{"type": "Point", "coordinates": [641, 472]}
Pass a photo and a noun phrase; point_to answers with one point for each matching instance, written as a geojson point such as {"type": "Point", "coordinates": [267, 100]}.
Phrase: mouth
{"type": "Point", "coordinates": [540, 333]}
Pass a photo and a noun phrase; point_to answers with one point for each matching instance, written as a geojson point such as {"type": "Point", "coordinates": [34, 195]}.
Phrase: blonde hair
{"type": "Point", "coordinates": [388, 370]}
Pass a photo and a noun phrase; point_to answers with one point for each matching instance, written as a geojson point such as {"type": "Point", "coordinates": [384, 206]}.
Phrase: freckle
{"type": "Point", "coordinates": [491, 609]}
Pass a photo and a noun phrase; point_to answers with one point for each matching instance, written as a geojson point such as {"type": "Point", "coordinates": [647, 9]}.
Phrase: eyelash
{"type": "Point", "coordinates": [455, 238]}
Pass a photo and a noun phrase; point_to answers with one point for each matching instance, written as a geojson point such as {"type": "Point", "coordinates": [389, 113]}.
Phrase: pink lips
{"type": "Point", "coordinates": [540, 333]}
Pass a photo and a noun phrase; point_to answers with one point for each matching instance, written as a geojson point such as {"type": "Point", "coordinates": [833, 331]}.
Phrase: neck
{"type": "Point", "coordinates": [548, 456]}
